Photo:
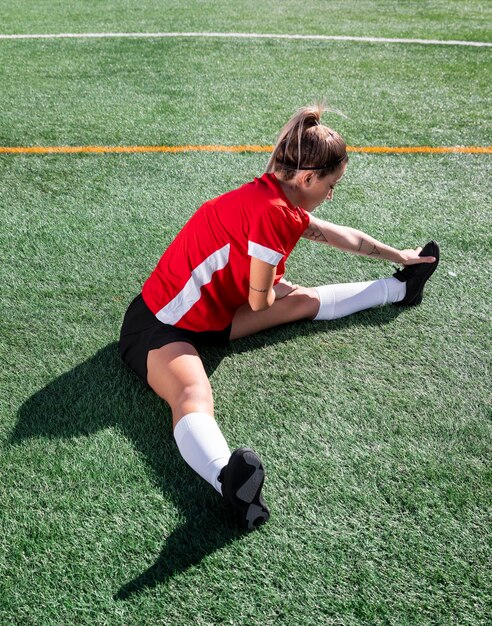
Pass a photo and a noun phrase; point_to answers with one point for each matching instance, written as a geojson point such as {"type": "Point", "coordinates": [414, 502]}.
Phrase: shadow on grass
{"type": "Point", "coordinates": [102, 393]}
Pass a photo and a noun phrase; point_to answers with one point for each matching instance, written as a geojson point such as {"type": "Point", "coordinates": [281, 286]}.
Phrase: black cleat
{"type": "Point", "coordinates": [242, 479]}
{"type": "Point", "coordinates": [415, 276]}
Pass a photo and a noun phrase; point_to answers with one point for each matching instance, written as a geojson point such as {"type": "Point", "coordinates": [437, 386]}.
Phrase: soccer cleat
{"type": "Point", "coordinates": [415, 276]}
{"type": "Point", "coordinates": [242, 479]}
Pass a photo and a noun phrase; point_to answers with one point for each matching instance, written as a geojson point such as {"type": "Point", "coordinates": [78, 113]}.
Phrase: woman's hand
{"type": "Point", "coordinates": [411, 257]}
{"type": "Point", "coordinates": [283, 288]}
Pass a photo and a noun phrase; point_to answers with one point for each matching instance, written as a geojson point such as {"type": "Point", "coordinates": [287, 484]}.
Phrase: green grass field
{"type": "Point", "coordinates": [375, 430]}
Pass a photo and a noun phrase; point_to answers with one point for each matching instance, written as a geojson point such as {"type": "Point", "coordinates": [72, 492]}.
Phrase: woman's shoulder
{"type": "Point", "coordinates": [260, 196]}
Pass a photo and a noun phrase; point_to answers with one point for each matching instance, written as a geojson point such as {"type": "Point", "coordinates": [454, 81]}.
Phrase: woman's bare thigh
{"type": "Point", "coordinates": [302, 303]}
{"type": "Point", "coordinates": [176, 373]}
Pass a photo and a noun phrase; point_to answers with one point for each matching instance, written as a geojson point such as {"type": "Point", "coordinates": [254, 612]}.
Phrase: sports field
{"type": "Point", "coordinates": [375, 430]}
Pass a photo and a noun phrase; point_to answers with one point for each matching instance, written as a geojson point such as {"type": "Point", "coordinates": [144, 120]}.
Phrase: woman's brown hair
{"type": "Point", "coordinates": [306, 144]}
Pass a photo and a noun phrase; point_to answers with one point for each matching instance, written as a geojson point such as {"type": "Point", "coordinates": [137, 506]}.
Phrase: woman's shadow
{"type": "Point", "coordinates": [101, 393]}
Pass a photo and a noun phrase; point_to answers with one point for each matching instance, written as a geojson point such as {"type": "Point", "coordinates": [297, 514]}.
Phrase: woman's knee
{"type": "Point", "coordinates": [306, 301]}
{"type": "Point", "coordinates": [195, 397]}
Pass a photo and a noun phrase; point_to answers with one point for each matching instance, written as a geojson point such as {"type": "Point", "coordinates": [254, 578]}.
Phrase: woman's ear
{"type": "Point", "coordinates": [307, 178]}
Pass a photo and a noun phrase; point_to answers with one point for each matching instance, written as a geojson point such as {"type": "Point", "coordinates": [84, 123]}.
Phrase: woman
{"type": "Point", "coordinates": [222, 279]}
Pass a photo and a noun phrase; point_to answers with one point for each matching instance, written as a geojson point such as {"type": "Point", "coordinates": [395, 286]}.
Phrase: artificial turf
{"type": "Point", "coordinates": [160, 91]}
{"type": "Point", "coordinates": [441, 19]}
{"type": "Point", "coordinates": [375, 430]}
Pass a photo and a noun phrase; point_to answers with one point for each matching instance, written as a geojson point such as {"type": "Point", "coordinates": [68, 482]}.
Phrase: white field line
{"type": "Point", "coordinates": [440, 42]}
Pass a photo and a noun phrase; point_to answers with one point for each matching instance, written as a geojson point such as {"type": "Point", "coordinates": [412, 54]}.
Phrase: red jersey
{"type": "Point", "coordinates": [203, 277]}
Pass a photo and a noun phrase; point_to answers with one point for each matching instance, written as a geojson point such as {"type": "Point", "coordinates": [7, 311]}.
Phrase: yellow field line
{"type": "Point", "coordinates": [243, 148]}
{"type": "Point", "coordinates": [120, 149]}
{"type": "Point", "coordinates": [423, 149]}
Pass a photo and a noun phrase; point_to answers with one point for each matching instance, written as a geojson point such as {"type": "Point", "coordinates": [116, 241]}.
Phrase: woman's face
{"type": "Point", "coordinates": [316, 190]}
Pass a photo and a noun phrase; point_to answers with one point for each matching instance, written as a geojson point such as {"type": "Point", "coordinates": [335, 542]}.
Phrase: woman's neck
{"type": "Point", "coordinates": [291, 192]}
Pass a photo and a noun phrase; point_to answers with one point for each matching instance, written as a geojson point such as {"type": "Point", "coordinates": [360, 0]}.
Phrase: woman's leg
{"type": "Point", "coordinates": [318, 303]}
{"type": "Point", "coordinates": [175, 372]}
{"type": "Point", "coordinates": [302, 303]}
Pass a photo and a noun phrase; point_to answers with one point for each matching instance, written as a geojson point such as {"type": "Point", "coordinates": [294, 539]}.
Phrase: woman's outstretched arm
{"type": "Point", "coordinates": [357, 242]}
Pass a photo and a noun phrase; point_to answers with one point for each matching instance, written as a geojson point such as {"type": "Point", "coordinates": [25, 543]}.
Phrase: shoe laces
{"type": "Point", "coordinates": [402, 274]}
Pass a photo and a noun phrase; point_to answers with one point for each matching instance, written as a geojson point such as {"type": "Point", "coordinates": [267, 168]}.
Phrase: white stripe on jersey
{"type": "Point", "coordinates": [263, 253]}
{"type": "Point", "coordinates": [190, 294]}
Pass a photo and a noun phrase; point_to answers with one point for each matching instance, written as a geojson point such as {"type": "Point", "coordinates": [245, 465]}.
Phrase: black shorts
{"type": "Point", "coordinates": [142, 331]}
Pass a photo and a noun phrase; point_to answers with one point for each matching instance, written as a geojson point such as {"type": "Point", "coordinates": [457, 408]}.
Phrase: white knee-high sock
{"type": "Point", "coordinates": [202, 445]}
{"type": "Point", "coordinates": [344, 299]}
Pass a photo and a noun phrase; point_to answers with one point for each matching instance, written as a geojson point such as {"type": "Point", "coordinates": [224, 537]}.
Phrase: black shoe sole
{"type": "Point", "coordinates": [244, 495]}
{"type": "Point", "coordinates": [430, 249]}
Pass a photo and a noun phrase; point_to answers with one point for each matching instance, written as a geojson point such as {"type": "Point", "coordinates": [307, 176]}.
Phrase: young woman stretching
{"type": "Point", "coordinates": [222, 279]}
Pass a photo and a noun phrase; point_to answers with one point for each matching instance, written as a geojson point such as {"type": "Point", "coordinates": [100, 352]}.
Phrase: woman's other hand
{"type": "Point", "coordinates": [283, 288]}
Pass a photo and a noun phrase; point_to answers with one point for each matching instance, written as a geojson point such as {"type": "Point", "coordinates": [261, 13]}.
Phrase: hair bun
{"type": "Point", "coordinates": [305, 143]}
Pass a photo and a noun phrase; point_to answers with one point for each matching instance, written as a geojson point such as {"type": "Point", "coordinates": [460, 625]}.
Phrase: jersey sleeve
{"type": "Point", "coordinates": [273, 234]}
